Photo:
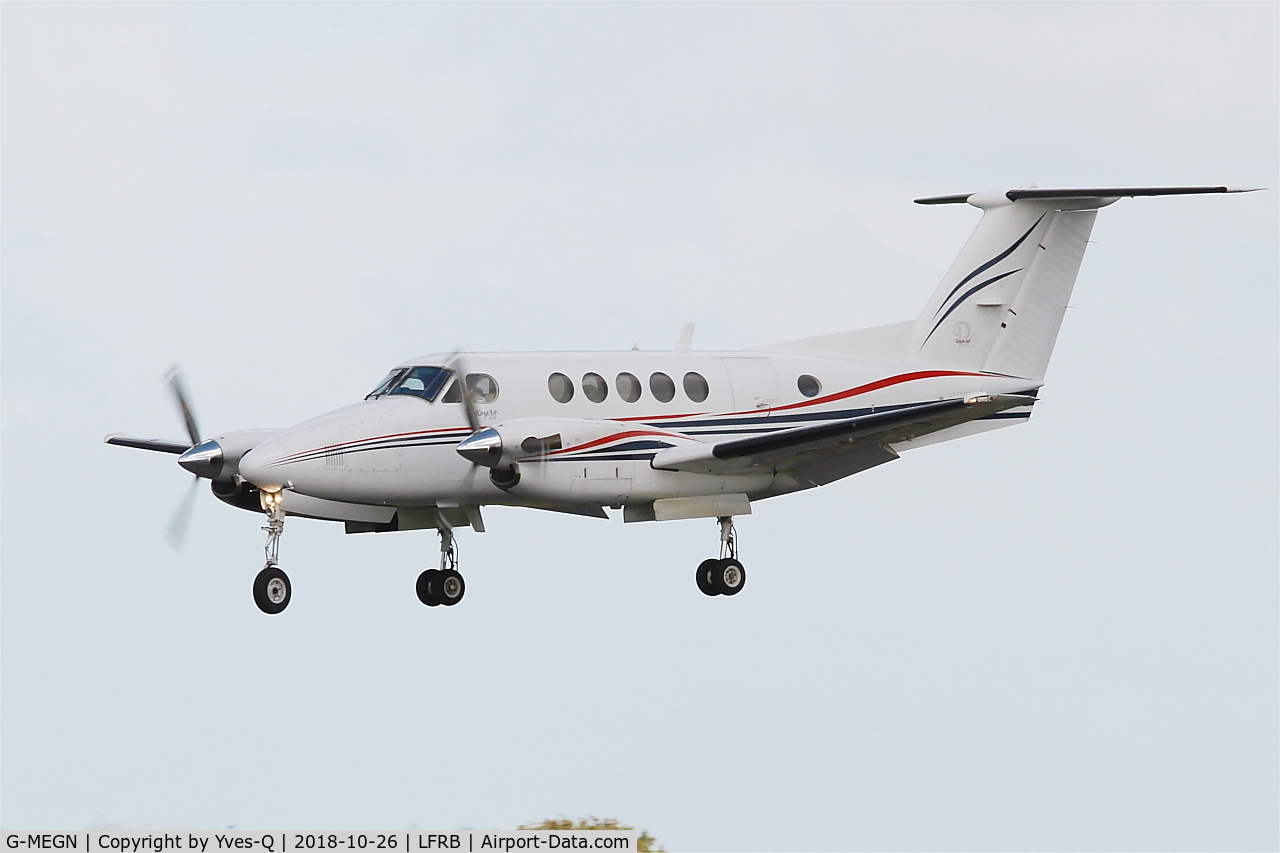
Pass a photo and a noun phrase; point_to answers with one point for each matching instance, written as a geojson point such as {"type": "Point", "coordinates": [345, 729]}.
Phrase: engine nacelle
{"type": "Point", "coordinates": [218, 458]}
{"type": "Point", "coordinates": [580, 461]}
{"type": "Point", "coordinates": [240, 494]}
{"type": "Point", "coordinates": [543, 439]}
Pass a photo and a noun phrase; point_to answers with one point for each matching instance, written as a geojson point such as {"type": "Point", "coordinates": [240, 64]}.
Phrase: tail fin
{"type": "Point", "coordinates": [999, 307]}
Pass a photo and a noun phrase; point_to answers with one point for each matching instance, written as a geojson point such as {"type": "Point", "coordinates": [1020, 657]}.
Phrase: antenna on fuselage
{"type": "Point", "coordinates": [685, 342]}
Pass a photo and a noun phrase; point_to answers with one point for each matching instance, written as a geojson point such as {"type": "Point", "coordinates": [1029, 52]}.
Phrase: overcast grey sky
{"type": "Point", "coordinates": [1058, 636]}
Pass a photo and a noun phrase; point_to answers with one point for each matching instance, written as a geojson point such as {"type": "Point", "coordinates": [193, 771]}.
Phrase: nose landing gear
{"type": "Point", "coordinates": [724, 576]}
{"type": "Point", "coordinates": [271, 588]}
{"type": "Point", "coordinates": [445, 584]}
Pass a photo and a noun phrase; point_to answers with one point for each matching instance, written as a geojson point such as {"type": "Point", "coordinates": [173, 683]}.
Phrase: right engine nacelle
{"type": "Point", "coordinates": [580, 461]}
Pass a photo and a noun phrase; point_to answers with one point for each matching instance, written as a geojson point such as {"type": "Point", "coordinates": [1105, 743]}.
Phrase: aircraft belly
{"type": "Point", "coordinates": [610, 491]}
{"type": "Point", "coordinates": [684, 484]}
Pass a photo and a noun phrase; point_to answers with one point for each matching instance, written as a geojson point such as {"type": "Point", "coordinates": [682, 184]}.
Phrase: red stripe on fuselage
{"type": "Point", "coordinates": [615, 437]}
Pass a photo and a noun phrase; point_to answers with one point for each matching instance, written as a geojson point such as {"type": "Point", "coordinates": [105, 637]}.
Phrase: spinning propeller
{"type": "Point", "coordinates": [484, 447]}
{"type": "Point", "coordinates": [176, 532]}
{"type": "Point", "coordinates": [458, 365]}
{"type": "Point", "coordinates": [202, 458]}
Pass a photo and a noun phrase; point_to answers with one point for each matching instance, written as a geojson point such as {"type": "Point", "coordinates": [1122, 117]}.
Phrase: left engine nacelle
{"type": "Point", "coordinates": [218, 458]}
{"type": "Point", "coordinates": [240, 494]}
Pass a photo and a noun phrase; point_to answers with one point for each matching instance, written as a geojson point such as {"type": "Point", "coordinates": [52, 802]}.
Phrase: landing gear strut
{"type": "Point", "coordinates": [271, 589]}
{"type": "Point", "coordinates": [443, 585]}
{"type": "Point", "coordinates": [724, 576]}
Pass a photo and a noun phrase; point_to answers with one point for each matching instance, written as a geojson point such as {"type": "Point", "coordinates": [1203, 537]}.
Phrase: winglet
{"type": "Point", "coordinates": [685, 342]}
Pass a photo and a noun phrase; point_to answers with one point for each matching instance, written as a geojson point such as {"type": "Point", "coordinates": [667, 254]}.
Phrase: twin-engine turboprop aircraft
{"type": "Point", "coordinates": [670, 435]}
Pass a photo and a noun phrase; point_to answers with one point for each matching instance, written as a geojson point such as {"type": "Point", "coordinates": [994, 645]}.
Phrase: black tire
{"type": "Point", "coordinates": [429, 587]}
{"type": "Point", "coordinates": [729, 577]}
{"type": "Point", "coordinates": [452, 587]}
{"type": "Point", "coordinates": [706, 569]}
{"type": "Point", "coordinates": [271, 590]}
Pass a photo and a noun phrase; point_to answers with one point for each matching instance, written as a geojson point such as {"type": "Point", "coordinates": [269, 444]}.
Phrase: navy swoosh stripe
{"type": "Point", "coordinates": [961, 300]}
{"type": "Point", "coordinates": [779, 421]}
{"type": "Point", "coordinates": [989, 264]}
{"type": "Point", "coordinates": [629, 445]}
{"type": "Point", "coordinates": [620, 457]}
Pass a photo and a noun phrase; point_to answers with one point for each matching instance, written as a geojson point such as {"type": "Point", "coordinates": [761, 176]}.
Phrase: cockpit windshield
{"type": "Point", "coordinates": [424, 382]}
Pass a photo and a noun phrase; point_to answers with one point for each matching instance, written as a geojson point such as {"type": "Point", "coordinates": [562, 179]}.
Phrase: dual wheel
{"type": "Point", "coordinates": [440, 586]}
{"type": "Point", "coordinates": [721, 577]}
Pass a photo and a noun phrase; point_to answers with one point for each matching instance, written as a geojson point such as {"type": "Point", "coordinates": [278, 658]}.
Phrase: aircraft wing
{"type": "Point", "coordinates": [795, 447]}
{"type": "Point", "coordinates": [160, 444]}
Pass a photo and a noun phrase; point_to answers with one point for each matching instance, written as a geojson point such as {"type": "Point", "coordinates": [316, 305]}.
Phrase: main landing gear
{"type": "Point", "coordinates": [443, 585]}
{"type": "Point", "coordinates": [724, 576]}
{"type": "Point", "coordinates": [271, 590]}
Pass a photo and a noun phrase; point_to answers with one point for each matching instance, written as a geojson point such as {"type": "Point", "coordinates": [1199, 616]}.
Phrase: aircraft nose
{"type": "Point", "coordinates": [264, 466]}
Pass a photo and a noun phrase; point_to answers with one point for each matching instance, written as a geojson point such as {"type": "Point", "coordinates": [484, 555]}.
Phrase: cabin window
{"type": "Point", "coordinates": [662, 387]}
{"type": "Point", "coordinates": [809, 385]}
{"type": "Point", "coordinates": [628, 387]}
{"type": "Point", "coordinates": [695, 387]}
{"type": "Point", "coordinates": [594, 386]}
{"type": "Point", "coordinates": [483, 387]}
{"type": "Point", "coordinates": [561, 387]}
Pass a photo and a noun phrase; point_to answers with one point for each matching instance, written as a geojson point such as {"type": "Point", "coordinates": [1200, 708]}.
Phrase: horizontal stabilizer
{"type": "Point", "coordinates": [782, 448]}
{"type": "Point", "coordinates": [157, 444]}
{"type": "Point", "coordinates": [1105, 192]}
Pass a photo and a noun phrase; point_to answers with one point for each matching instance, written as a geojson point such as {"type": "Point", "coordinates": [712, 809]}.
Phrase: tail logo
{"type": "Point", "coordinates": [964, 335]}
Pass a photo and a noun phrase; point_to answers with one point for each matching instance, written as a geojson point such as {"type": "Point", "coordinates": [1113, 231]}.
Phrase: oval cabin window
{"type": "Point", "coordinates": [483, 387]}
{"type": "Point", "coordinates": [695, 387]}
{"type": "Point", "coordinates": [662, 387]}
{"type": "Point", "coordinates": [628, 387]}
{"type": "Point", "coordinates": [809, 385]}
{"type": "Point", "coordinates": [594, 386]}
{"type": "Point", "coordinates": [561, 387]}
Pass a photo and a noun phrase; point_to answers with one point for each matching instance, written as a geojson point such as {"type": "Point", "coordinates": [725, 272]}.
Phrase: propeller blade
{"type": "Point", "coordinates": [174, 378]}
{"type": "Point", "coordinates": [176, 534]}
{"type": "Point", "coordinates": [459, 366]}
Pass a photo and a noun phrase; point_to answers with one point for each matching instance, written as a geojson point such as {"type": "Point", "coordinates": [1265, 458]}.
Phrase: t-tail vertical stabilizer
{"type": "Point", "coordinates": [999, 307]}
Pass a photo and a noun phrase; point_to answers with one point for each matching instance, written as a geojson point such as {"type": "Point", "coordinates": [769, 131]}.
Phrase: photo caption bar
{"type": "Point", "coordinates": [468, 840]}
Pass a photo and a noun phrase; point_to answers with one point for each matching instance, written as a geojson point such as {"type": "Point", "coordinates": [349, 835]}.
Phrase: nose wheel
{"type": "Point", "coordinates": [723, 576]}
{"type": "Point", "coordinates": [271, 588]}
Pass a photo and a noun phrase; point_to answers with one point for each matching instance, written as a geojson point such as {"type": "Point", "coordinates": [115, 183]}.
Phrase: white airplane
{"type": "Point", "coordinates": [670, 435]}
